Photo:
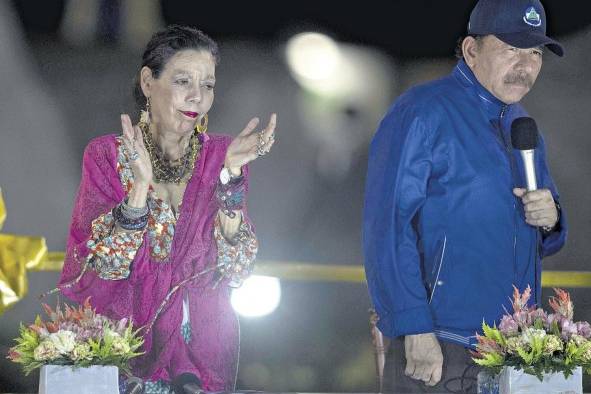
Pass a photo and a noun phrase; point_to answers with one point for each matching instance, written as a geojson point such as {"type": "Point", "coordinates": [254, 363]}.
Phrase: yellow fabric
{"type": "Point", "coordinates": [2, 210]}
{"type": "Point", "coordinates": [17, 255]}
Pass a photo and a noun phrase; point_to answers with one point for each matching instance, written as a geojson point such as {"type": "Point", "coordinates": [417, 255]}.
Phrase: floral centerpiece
{"type": "Point", "coordinates": [79, 337]}
{"type": "Point", "coordinates": [534, 341]}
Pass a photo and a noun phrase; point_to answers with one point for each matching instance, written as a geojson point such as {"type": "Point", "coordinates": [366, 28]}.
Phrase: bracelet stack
{"type": "Point", "coordinates": [230, 197]}
{"type": "Point", "coordinates": [131, 218]}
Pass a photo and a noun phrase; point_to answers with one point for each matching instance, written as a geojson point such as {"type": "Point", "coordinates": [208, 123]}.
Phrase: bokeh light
{"type": "Point", "coordinates": [258, 296]}
{"type": "Point", "coordinates": [313, 56]}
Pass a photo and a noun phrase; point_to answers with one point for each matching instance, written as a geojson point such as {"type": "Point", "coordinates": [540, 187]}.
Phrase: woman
{"type": "Point", "coordinates": [159, 231]}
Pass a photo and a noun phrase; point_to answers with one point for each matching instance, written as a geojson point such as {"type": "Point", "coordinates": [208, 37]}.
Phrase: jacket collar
{"type": "Point", "coordinates": [492, 105]}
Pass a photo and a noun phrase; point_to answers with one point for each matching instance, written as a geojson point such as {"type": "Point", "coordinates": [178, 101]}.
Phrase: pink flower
{"type": "Point", "coordinates": [121, 326]}
{"type": "Point", "coordinates": [13, 355]}
{"type": "Point", "coordinates": [487, 345]}
{"type": "Point", "coordinates": [538, 314]}
{"type": "Point", "coordinates": [508, 326]}
{"type": "Point", "coordinates": [553, 317]}
{"type": "Point", "coordinates": [562, 304]}
{"type": "Point", "coordinates": [583, 329]}
{"type": "Point", "coordinates": [522, 318]}
{"type": "Point", "coordinates": [519, 302]}
{"type": "Point", "coordinates": [568, 328]}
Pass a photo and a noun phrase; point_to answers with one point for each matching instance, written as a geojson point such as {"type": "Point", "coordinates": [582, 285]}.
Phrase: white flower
{"type": "Point", "coordinates": [81, 352]}
{"type": "Point", "coordinates": [578, 340]}
{"type": "Point", "coordinates": [530, 333]}
{"type": "Point", "coordinates": [45, 351]}
{"type": "Point", "coordinates": [587, 355]}
{"type": "Point", "coordinates": [515, 343]}
{"type": "Point", "coordinates": [552, 344]}
{"type": "Point", "coordinates": [120, 345]}
{"type": "Point", "coordinates": [63, 340]}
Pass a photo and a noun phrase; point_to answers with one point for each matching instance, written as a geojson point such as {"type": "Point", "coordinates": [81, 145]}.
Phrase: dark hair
{"type": "Point", "coordinates": [458, 51]}
{"type": "Point", "coordinates": [164, 44]}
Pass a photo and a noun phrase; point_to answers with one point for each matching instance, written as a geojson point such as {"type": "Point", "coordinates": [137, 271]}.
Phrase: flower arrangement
{"type": "Point", "coordinates": [535, 341]}
{"type": "Point", "coordinates": [76, 336]}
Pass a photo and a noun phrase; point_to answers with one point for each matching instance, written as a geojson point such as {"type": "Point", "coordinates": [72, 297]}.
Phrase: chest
{"type": "Point", "coordinates": [171, 194]}
{"type": "Point", "coordinates": [474, 153]}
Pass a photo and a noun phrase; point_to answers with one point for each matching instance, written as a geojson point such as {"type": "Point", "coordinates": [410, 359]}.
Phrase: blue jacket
{"type": "Point", "coordinates": [444, 237]}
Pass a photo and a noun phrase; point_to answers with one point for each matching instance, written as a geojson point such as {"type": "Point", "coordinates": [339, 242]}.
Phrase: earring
{"type": "Point", "coordinates": [145, 113]}
{"type": "Point", "coordinates": [201, 126]}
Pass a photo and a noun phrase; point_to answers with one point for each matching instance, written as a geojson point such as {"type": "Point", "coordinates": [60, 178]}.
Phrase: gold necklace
{"type": "Point", "coordinates": [163, 170]}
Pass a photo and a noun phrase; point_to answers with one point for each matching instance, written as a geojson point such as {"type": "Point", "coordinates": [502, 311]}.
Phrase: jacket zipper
{"type": "Point", "coordinates": [436, 281]}
{"type": "Point", "coordinates": [508, 147]}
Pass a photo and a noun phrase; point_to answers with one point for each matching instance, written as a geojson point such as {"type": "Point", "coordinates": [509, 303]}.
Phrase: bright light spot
{"type": "Point", "coordinates": [258, 296]}
{"type": "Point", "coordinates": [328, 68]}
{"type": "Point", "coordinates": [313, 56]}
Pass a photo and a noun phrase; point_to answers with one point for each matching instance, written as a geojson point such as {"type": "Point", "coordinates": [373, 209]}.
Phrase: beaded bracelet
{"type": "Point", "coordinates": [127, 223]}
{"type": "Point", "coordinates": [132, 212]}
{"type": "Point", "coordinates": [230, 197]}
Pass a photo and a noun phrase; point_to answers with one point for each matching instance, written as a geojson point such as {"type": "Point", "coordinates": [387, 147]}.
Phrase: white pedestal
{"type": "Point", "coordinates": [64, 379]}
{"type": "Point", "coordinates": [512, 381]}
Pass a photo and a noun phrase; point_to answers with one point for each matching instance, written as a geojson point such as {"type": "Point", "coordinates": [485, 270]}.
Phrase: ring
{"type": "Point", "coordinates": [261, 151]}
{"type": "Point", "coordinates": [134, 155]}
{"type": "Point", "coordinates": [262, 138]}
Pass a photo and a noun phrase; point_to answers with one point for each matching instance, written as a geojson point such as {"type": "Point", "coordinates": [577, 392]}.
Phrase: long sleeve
{"type": "Point", "coordinates": [236, 258]}
{"type": "Point", "coordinates": [111, 253]}
{"type": "Point", "coordinates": [552, 243]}
{"type": "Point", "coordinates": [100, 190]}
{"type": "Point", "coordinates": [399, 168]}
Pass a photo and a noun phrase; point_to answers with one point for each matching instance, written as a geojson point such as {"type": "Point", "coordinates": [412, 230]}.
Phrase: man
{"type": "Point", "coordinates": [448, 226]}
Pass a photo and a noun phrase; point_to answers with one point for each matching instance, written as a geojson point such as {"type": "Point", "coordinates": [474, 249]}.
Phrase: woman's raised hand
{"type": "Point", "coordinates": [250, 144]}
{"type": "Point", "coordinates": [139, 158]}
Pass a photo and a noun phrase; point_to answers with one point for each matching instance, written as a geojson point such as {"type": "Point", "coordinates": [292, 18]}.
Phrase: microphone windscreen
{"type": "Point", "coordinates": [524, 133]}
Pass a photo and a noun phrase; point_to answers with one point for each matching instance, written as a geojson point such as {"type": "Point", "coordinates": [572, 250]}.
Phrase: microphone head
{"type": "Point", "coordinates": [524, 133]}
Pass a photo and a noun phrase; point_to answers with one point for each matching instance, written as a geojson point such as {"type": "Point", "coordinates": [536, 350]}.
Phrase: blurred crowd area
{"type": "Point", "coordinates": [66, 72]}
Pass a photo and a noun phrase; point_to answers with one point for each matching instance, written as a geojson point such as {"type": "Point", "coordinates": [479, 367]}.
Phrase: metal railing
{"type": "Point", "coordinates": [304, 271]}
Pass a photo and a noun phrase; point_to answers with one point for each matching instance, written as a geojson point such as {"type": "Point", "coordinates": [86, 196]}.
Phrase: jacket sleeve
{"type": "Point", "coordinates": [399, 167]}
{"type": "Point", "coordinates": [553, 242]}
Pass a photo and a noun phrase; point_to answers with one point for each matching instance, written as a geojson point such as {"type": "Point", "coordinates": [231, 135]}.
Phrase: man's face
{"type": "Point", "coordinates": [505, 71]}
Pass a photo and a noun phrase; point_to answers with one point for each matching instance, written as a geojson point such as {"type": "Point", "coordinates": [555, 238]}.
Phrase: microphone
{"type": "Point", "coordinates": [524, 137]}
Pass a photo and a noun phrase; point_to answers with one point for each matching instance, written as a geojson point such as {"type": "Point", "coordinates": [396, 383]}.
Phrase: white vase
{"type": "Point", "coordinates": [512, 381]}
{"type": "Point", "coordinates": [64, 379]}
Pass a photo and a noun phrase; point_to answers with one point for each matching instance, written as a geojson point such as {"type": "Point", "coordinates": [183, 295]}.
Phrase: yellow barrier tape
{"type": "Point", "coordinates": [566, 279]}
{"type": "Point", "coordinates": [302, 271]}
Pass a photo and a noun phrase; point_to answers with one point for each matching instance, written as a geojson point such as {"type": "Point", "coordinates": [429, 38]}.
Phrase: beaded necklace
{"type": "Point", "coordinates": [166, 171]}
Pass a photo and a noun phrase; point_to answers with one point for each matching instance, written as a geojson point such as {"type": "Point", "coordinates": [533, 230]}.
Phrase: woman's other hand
{"type": "Point", "coordinates": [250, 144]}
{"type": "Point", "coordinates": [139, 158]}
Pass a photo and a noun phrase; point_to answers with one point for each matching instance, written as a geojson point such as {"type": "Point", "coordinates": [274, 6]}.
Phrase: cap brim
{"type": "Point", "coordinates": [531, 40]}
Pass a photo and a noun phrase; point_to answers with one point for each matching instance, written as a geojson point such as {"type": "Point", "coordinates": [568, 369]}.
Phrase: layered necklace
{"type": "Point", "coordinates": [167, 171]}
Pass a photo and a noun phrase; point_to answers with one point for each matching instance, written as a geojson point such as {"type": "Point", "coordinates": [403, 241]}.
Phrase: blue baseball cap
{"type": "Point", "coordinates": [519, 23]}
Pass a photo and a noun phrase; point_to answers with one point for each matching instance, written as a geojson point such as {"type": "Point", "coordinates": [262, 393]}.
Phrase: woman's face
{"type": "Point", "coordinates": [183, 92]}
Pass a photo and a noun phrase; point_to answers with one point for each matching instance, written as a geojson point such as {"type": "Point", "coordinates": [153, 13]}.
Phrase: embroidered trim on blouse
{"type": "Point", "coordinates": [236, 258]}
{"type": "Point", "coordinates": [111, 254]}
{"type": "Point", "coordinates": [157, 387]}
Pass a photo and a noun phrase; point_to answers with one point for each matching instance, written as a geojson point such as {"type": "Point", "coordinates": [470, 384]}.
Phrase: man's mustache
{"type": "Point", "coordinates": [520, 79]}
